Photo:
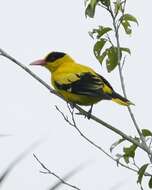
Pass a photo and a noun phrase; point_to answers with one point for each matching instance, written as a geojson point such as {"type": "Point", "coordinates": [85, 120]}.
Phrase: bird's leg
{"type": "Point", "coordinates": [89, 112]}
{"type": "Point", "coordinates": [72, 105]}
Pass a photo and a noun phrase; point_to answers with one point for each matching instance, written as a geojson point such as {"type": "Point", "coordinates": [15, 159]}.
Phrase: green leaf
{"type": "Point", "coordinates": [102, 57]}
{"type": "Point", "coordinates": [117, 6]}
{"type": "Point", "coordinates": [150, 183]}
{"type": "Point", "coordinates": [112, 56]}
{"type": "Point", "coordinates": [116, 144]}
{"type": "Point", "coordinates": [93, 3]}
{"type": "Point", "coordinates": [125, 21]}
{"type": "Point", "coordinates": [127, 27]}
{"type": "Point", "coordinates": [90, 10]}
{"type": "Point", "coordinates": [112, 60]}
{"type": "Point", "coordinates": [141, 173]}
{"type": "Point", "coordinates": [105, 2]}
{"type": "Point", "coordinates": [146, 132]}
{"type": "Point", "coordinates": [129, 152]}
{"type": "Point", "coordinates": [129, 17]}
{"type": "Point", "coordinates": [125, 50]}
{"type": "Point", "coordinates": [98, 47]}
{"type": "Point", "coordinates": [102, 30]}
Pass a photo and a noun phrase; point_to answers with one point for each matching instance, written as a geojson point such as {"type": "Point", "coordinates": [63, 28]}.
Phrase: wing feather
{"type": "Point", "coordinates": [85, 83]}
{"type": "Point", "coordinates": [107, 88]}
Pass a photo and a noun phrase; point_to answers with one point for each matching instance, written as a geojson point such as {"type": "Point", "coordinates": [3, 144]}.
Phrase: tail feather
{"type": "Point", "coordinates": [120, 99]}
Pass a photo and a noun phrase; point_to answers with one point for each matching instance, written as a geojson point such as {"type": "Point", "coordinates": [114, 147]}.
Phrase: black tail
{"type": "Point", "coordinates": [120, 99]}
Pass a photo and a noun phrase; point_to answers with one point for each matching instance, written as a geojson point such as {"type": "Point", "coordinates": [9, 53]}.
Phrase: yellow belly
{"type": "Point", "coordinates": [79, 99]}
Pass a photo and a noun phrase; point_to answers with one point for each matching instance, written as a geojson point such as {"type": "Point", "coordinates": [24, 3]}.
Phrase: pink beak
{"type": "Point", "coordinates": [38, 62]}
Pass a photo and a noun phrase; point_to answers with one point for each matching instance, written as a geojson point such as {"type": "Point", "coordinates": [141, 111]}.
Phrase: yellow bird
{"type": "Point", "coordinates": [78, 83]}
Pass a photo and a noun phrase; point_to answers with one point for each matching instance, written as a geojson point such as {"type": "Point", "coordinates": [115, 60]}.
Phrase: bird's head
{"type": "Point", "coordinates": [53, 60]}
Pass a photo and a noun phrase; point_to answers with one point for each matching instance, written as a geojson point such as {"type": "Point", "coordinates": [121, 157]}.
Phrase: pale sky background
{"type": "Point", "coordinates": [29, 30]}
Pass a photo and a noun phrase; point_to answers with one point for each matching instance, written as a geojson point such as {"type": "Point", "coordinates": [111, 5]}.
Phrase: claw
{"type": "Point", "coordinates": [89, 112]}
{"type": "Point", "coordinates": [72, 105]}
{"type": "Point", "coordinates": [88, 116]}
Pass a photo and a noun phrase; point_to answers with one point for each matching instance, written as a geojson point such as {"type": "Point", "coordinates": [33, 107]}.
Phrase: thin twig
{"type": "Point", "coordinates": [141, 187]}
{"type": "Point", "coordinates": [104, 7]}
{"type": "Point", "coordinates": [68, 175]}
{"type": "Point", "coordinates": [134, 163]}
{"type": "Point", "coordinates": [109, 39]}
{"type": "Point", "coordinates": [130, 139]}
{"type": "Point", "coordinates": [73, 124]}
{"type": "Point", "coordinates": [64, 116]}
{"type": "Point", "coordinates": [54, 174]}
{"type": "Point", "coordinates": [150, 143]}
{"type": "Point", "coordinates": [123, 63]}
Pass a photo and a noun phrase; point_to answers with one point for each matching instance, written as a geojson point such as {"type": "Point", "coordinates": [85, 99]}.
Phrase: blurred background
{"type": "Point", "coordinates": [29, 30]}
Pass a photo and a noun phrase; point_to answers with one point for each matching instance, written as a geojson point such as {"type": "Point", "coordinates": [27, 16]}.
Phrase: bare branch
{"type": "Point", "coordinates": [73, 124]}
{"type": "Point", "coordinates": [117, 131]}
{"type": "Point", "coordinates": [68, 175]}
{"type": "Point", "coordinates": [150, 143]}
{"type": "Point", "coordinates": [134, 164]}
{"type": "Point", "coordinates": [109, 39]}
{"type": "Point", "coordinates": [104, 7]}
{"type": "Point", "coordinates": [123, 63]}
{"type": "Point", "coordinates": [64, 116]}
{"type": "Point", "coordinates": [47, 171]}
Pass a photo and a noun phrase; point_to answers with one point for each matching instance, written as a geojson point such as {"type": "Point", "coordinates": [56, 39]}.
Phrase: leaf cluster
{"type": "Point", "coordinates": [105, 48]}
{"type": "Point", "coordinates": [92, 4]}
{"type": "Point", "coordinates": [129, 153]}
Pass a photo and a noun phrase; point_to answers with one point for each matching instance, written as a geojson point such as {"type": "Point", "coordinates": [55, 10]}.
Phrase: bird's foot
{"type": "Point", "coordinates": [89, 113]}
{"type": "Point", "coordinates": [71, 105]}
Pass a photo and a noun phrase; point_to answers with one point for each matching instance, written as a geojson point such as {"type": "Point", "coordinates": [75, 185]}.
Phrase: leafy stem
{"type": "Point", "coordinates": [116, 30]}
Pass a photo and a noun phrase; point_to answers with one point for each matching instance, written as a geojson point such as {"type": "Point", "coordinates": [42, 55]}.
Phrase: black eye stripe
{"type": "Point", "coordinates": [53, 56]}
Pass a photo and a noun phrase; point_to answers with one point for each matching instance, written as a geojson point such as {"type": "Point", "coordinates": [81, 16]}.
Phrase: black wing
{"type": "Point", "coordinates": [106, 82]}
{"type": "Point", "coordinates": [85, 84]}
